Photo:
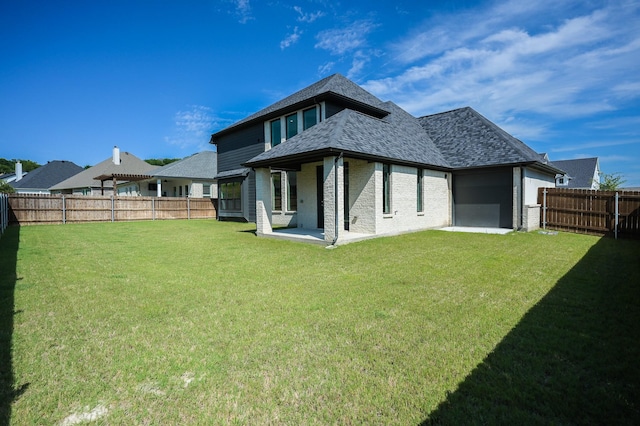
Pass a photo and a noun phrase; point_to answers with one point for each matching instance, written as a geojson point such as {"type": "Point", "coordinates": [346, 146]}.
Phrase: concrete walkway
{"type": "Point", "coordinates": [316, 236]}
{"type": "Point", "coordinates": [477, 230]}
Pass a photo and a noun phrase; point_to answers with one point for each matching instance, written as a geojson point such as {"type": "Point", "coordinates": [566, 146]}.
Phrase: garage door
{"type": "Point", "coordinates": [483, 199]}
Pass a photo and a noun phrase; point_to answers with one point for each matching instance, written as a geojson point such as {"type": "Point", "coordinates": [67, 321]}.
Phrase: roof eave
{"type": "Point", "coordinates": [317, 155]}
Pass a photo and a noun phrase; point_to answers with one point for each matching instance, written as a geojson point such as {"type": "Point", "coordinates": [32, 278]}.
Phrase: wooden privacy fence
{"type": "Point", "coordinates": [591, 212]}
{"type": "Point", "coordinates": [31, 209]}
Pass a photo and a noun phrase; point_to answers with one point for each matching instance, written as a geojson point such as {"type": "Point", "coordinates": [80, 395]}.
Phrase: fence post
{"type": "Point", "coordinates": [188, 209]}
{"type": "Point", "coordinates": [113, 206]}
{"type": "Point", "coordinates": [544, 208]}
{"type": "Point", "coordinates": [153, 209]}
{"type": "Point", "coordinates": [616, 217]}
{"type": "Point", "coordinates": [4, 212]}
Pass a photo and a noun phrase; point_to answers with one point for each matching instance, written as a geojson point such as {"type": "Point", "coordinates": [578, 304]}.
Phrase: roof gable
{"type": "Point", "coordinates": [48, 175]}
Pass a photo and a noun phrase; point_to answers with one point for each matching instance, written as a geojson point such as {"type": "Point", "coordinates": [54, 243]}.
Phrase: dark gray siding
{"type": "Point", "coordinates": [483, 198]}
{"type": "Point", "coordinates": [236, 148]}
{"type": "Point", "coordinates": [332, 109]}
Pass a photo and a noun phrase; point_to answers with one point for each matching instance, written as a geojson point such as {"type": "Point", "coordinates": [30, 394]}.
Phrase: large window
{"type": "Point", "coordinates": [276, 191]}
{"type": "Point", "coordinates": [276, 132]}
{"type": "Point", "coordinates": [386, 188]}
{"type": "Point", "coordinates": [292, 125]}
{"type": "Point", "coordinates": [309, 118]}
{"type": "Point", "coordinates": [420, 188]}
{"type": "Point", "coordinates": [292, 191]}
{"type": "Point", "coordinates": [230, 196]}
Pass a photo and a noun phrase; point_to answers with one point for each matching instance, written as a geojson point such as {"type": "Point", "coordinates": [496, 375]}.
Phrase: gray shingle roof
{"type": "Point", "coordinates": [581, 171]}
{"type": "Point", "coordinates": [202, 165]}
{"type": "Point", "coordinates": [129, 164]}
{"type": "Point", "coordinates": [467, 140]}
{"type": "Point", "coordinates": [335, 84]}
{"type": "Point", "coordinates": [243, 171]}
{"type": "Point", "coordinates": [452, 140]}
{"type": "Point", "coordinates": [48, 175]}
{"type": "Point", "coordinates": [398, 137]}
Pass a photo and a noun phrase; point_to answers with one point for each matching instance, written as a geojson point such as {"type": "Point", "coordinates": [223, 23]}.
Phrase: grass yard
{"type": "Point", "coordinates": [201, 322]}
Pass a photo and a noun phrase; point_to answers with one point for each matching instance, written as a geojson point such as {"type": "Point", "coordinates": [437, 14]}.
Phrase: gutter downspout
{"type": "Point", "coordinates": [522, 198]}
{"type": "Point", "coordinates": [335, 198]}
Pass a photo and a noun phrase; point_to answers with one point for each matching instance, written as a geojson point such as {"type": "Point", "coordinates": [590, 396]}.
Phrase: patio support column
{"type": "Point", "coordinates": [263, 201]}
{"type": "Point", "coordinates": [518, 200]}
{"type": "Point", "coordinates": [333, 198]}
{"type": "Point", "coordinates": [159, 185]}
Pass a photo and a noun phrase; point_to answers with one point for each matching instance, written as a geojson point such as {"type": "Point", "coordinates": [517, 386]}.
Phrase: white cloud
{"type": "Point", "coordinates": [339, 41]}
{"type": "Point", "coordinates": [243, 10]}
{"type": "Point", "coordinates": [193, 127]}
{"type": "Point", "coordinates": [598, 144]}
{"type": "Point", "coordinates": [291, 38]}
{"type": "Point", "coordinates": [325, 68]}
{"type": "Point", "coordinates": [307, 17]}
{"type": "Point", "coordinates": [360, 60]}
{"type": "Point", "coordinates": [503, 66]}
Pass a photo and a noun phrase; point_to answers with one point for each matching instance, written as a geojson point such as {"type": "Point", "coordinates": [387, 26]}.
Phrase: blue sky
{"type": "Point", "coordinates": [157, 78]}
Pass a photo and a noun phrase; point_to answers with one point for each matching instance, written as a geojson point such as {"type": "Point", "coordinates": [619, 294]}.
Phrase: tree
{"type": "Point", "coordinates": [6, 188]}
{"type": "Point", "coordinates": [9, 166]}
{"type": "Point", "coordinates": [161, 161]}
{"type": "Point", "coordinates": [611, 181]}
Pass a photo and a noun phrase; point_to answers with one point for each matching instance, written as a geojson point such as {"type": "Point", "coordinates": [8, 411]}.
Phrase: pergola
{"type": "Point", "coordinates": [123, 177]}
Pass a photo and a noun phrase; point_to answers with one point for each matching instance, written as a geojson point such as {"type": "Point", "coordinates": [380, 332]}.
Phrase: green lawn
{"type": "Point", "coordinates": [201, 322]}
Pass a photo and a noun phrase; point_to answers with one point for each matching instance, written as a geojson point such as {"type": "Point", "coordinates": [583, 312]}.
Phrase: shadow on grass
{"type": "Point", "coordinates": [8, 279]}
{"type": "Point", "coordinates": [574, 358]}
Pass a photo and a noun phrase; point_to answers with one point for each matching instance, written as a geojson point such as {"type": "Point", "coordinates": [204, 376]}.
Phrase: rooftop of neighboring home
{"type": "Point", "coordinates": [202, 165]}
{"type": "Point", "coordinates": [581, 171]}
{"type": "Point", "coordinates": [120, 164]}
{"type": "Point", "coordinates": [47, 175]}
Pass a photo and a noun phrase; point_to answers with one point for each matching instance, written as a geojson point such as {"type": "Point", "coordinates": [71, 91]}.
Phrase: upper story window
{"type": "Point", "coordinates": [292, 125]}
{"type": "Point", "coordinates": [276, 132]}
{"type": "Point", "coordinates": [280, 129]}
{"type": "Point", "coordinates": [309, 117]}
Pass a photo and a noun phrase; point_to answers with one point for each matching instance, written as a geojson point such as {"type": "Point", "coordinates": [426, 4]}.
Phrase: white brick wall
{"type": "Point", "coordinates": [263, 201]}
{"type": "Point", "coordinates": [362, 197]}
{"type": "Point", "coordinates": [404, 216]}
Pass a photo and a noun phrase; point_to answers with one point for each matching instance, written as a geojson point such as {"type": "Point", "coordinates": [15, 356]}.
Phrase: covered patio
{"type": "Point", "coordinates": [315, 236]}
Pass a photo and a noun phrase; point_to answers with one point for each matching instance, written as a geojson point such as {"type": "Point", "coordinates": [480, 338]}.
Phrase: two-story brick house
{"type": "Point", "coordinates": [334, 157]}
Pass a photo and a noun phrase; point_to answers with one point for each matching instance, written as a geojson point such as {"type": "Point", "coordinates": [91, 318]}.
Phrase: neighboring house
{"type": "Point", "coordinates": [10, 177]}
{"type": "Point", "coordinates": [39, 180]}
{"type": "Point", "coordinates": [14, 176]}
{"type": "Point", "coordinates": [193, 176]}
{"type": "Point", "coordinates": [583, 173]}
{"type": "Point", "coordinates": [334, 157]}
{"type": "Point", "coordinates": [123, 171]}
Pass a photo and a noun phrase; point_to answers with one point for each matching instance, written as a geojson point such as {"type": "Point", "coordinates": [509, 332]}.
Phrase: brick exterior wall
{"type": "Point", "coordinates": [365, 199]}
{"type": "Point", "coordinates": [403, 216]}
